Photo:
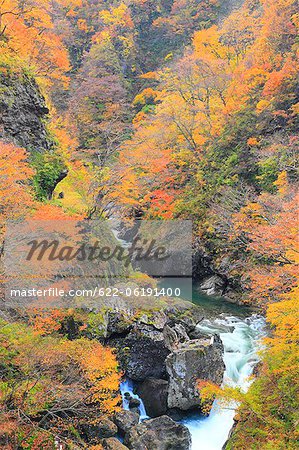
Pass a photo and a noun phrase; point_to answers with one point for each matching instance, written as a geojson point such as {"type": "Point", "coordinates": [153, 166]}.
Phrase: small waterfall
{"type": "Point", "coordinates": [128, 386]}
{"type": "Point", "coordinates": [241, 340]}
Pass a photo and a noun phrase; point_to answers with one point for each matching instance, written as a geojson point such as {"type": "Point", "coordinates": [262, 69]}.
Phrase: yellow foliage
{"type": "Point", "coordinates": [262, 105]}
{"type": "Point", "coordinates": [282, 183]}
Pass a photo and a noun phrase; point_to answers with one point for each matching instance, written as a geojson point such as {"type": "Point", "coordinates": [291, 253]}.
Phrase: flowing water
{"type": "Point", "coordinates": [127, 386]}
{"type": "Point", "coordinates": [240, 338]}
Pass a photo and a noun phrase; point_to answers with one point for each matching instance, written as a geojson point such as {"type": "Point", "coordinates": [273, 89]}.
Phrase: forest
{"type": "Point", "coordinates": [154, 110]}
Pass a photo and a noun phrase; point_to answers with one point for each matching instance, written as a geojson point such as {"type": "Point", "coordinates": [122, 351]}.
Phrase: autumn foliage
{"type": "Point", "coordinates": [161, 110]}
{"type": "Point", "coordinates": [28, 39]}
{"type": "Point", "coordinates": [52, 382]}
{"type": "Point", "coordinates": [15, 192]}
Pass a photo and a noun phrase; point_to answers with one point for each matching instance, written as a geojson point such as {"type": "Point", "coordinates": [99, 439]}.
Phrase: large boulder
{"type": "Point", "coordinates": [174, 335]}
{"type": "Point", "coordinates": [93, 432]}
{"type": "Point", "coordinates": [113, 444]}
{"type": "Point", "coordinates": [125, 420]}
{"type": "Point", "coordinates": [143, 353]}
{"type": "Point", "coordinates": [186, 315]}
{"type": "Point", "coordinates": [191, 361]}
{"type": "Point", "coordinates": [161, 433]}
{"type": "Point", "coordinates": [157, 319]}
{"type": "Point", "coordinates": [154, 393]}
{"type": "Point", "coordinates": [118, 323]}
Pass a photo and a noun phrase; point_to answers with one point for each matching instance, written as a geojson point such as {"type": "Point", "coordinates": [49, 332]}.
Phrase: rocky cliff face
{"type": "Point", "coordinates": [215, 276]}
{"type": "Point", "coordinates": [23, 112]}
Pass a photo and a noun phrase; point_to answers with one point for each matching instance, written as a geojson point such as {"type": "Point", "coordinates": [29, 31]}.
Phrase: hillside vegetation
{"type": "Point", "coordinates": [157, 109]}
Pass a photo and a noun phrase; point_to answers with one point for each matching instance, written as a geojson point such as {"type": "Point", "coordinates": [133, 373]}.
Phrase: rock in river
{"type": "Point", "coordinates": [214, 285]}
{"type": "Point", "coordinates": [161, 433]}
{"type": "Point", "coordinates": [193, 360]}
{"type": "Point", "coordinates": [125, 420]}
{"type": "Point", "coordinates": [154, 392]}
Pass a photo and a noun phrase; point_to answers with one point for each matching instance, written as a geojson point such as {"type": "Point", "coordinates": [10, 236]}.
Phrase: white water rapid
{"type": "Point", "coordinates": [127, 386]}
{"type": "Point", "coordinates": [240, 338]}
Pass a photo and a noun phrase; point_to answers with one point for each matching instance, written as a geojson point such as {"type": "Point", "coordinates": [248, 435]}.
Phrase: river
{"type": "Point", "coordinates": [240, 330]}
{"type": "Point", "coordinates": [240, 337]}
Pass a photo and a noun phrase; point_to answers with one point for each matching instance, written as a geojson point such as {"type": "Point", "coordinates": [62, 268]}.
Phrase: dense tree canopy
{"type": "Point", "coordinates": [157, 109]}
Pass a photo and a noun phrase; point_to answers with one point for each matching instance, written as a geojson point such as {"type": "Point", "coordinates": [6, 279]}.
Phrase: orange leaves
{"type": "Point", "coordinates": [252, 142]}
{"type": "Point", "coordinates": [16, 194]}
{"type": "Point", "coordinates": [167, 143]}
{"type": "Point", "coordinates": [271, 230]}
{"type": "Point", "coordinates": [46, 322]}
{"type": "Point", "coordinates": [207, 45]}
{"type": "Point", "coordinates": [27, 29]}
{"type": "Point", "coordinates": [147, 96]}
{"type": "Point", "coordinates": [16, 197]}
{"type": "Point", "coordinates": [149, 76]}
{"type": "Point", "coordinates": [57, 373]}
{"type": "Point", "coordinates": [82, 25]}
{"type": "Point", "coordinates": [208, 391]}
{"type": "Point", "coordinates": [282, 183]}
{"type": "Point", "coordinates": [274, 83]}
{"type": "Point", "coordinates": [162, 203]}
{"type": "Point", "coordinates": [284, 315]}
{"type": "Point", "coordinates": [99, 367]}
{"type": "Point", "coordinates": [49, 212]}
{"type": "Point", "coordinates": [251, 213]}
{"type": "Point", "coordinates": [119, 15]}
{"type": "Point", "coordinates": [13, 164]}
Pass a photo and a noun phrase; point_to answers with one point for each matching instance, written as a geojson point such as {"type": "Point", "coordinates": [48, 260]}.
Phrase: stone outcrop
{"type": "Point", "coordinates": [23, 112]}
{"type": "Point", "coordinates": [214, 285]}
{"type": "Point", "coordinates": [117, 324]}
{"type": "Point", "coordinates": [189, 317]}
{"type": "Point", "coordinates": [175, 335]}
{"type": "Point", "coordinates": [153, 393]}
{"type": "Point", "coordinates": [161, 433]}
{"type": "Point", "coordinates": [168, 362]}
{"type": "Point", "coordinates": [193, 360]}
{"type": "Point", "coordinates": [125, 420]}
{"type": "Point", "coordinates": [215, 275]}
{"type": "Point", "coordinates": [143, 353]}
{"type": "Point", "coordinates": [103, 428]}
{"type": "Point", "coordinates": [157, 319]}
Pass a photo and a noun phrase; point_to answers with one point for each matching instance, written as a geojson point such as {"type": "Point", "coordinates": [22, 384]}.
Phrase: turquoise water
{"type": "Point", "coordinates": [212, 306]}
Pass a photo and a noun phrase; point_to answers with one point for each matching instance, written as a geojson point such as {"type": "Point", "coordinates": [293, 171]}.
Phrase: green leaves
{"type": "Point", "coordinates": [50, 170]}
